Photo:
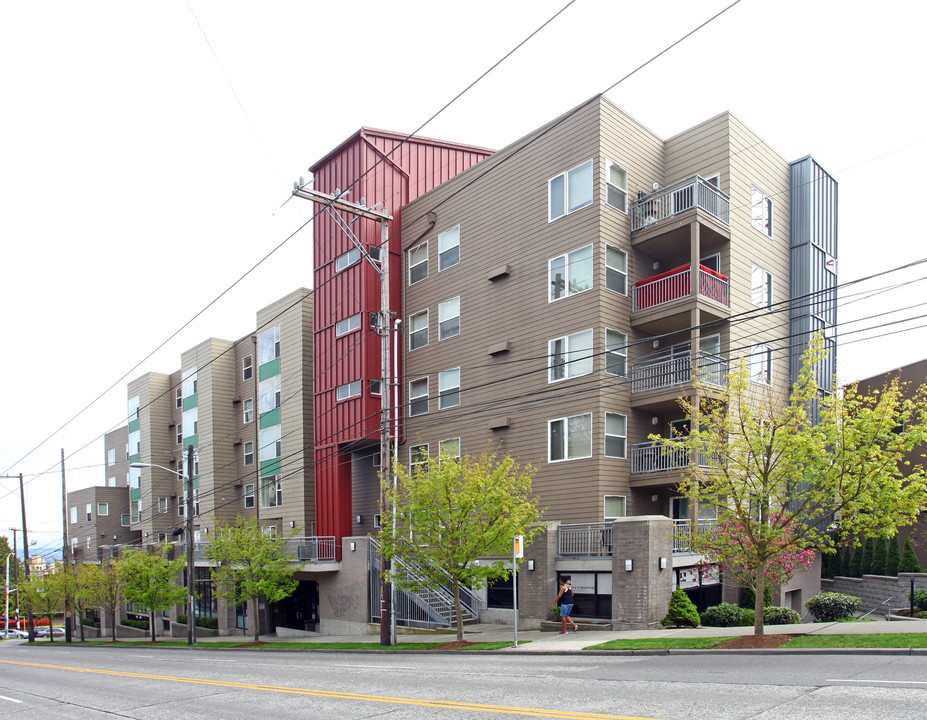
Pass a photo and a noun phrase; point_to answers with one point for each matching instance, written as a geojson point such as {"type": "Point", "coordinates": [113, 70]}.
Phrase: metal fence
{"type": "Point", "coordinates": [693, 192]}
{"type": "Point", "coordinates": [679, 370]}
{"type": "Point", "coordinates": [585, 539]}
{"type": "Point", "coordinates": [684, 530]}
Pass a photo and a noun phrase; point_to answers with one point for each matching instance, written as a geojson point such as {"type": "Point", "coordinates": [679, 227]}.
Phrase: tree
{"type": "Point", "coordinates": [894, 557]}
{"type": "Point", "coordinates": [457, 511]}
{"type": "Point", "coordinates": [103, 588]}
{"type": "Point", "coordinates": [908, 562]}
{"type": "Point", "coordinates": [151, 581]}
{"type": "Point", "coordinates": [880, 557]}
{"type": "Point", "coordinates": [782, 482]}
{"type": "Point", "coordinates": [46, 592]}
{"type": "Point", "coordinates": [868, 554]}
{"type": "Point", "coordinates": [250, 563]}
{"type": "Point", "coordinates": [856, 565]}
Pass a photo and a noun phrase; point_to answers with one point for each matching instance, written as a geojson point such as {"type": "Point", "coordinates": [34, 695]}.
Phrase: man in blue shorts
{"type": "Point", "coordinates": [565, 598]}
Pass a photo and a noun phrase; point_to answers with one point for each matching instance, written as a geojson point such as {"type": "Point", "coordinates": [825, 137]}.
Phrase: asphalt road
{"type": "Point", "coordinates": [42, 682]}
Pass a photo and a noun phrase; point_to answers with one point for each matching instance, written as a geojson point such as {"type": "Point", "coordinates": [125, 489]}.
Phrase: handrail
{"type": "Point", "coordinates": [693, 192]}
{"type": "Point", "coordinates": [887, 602]}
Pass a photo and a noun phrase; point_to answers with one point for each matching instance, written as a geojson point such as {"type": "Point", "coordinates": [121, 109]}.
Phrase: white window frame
{"type": "Point", "coordinates": [761, 211]}
{"type": "Point", "coordinates": [269, 394]}
{"type": "Point", "coordinates": [449, 388]}
{"type": "Point", "coordinates": [446, 322]}
{"type": "Point", "coordinates": [247, 411]}
{"type": "Point", "coordinates": [616, 346]}
{"type": "Point", "coordinates": [416, 457]}
{"type": "Point", "coordinates": [348, 390]}
{"type": "Point", "coordinates": [606, 508]}
{"type": "Point", "coordinates": [567, 261]}
{"type": "Point", "coordinates": [611, 187]}
{"type": "Point", "coordinates": [163, 506]}
{"type": "Point", "coordinates": [188, 383]}
{"type": "Point", "coordinates": [270, 531]}
{"type": "Point", "coordinates": [622, 437]}
{"type": "Point", "coordinates": [348, 324]}
{"type": "Point", "coordinates": [247, 368]}
{"type": "Point", "coordinates": [111, 456]}
{"type": "Point", "coordinates": [453, 443]}
{"type": "Point", "coordinates": [570, 356]}
{"type": "Point", "coordinates": [275, 494]}
{"type": "Point", "coordinates": [417, 397]}
{"type": "Point", "coordinates": [347, 259]}
{"type": "Point", "coordinates": [761, 287]}
{"type": "Point", "coordinates": [179, 435]}
{"type": "Point", "coordinates": [269, 345]}
{"type": "Point", "coordinates": [247, 451]}
{"type": "Point", "coordinates": [248, 495]}
{"type": "Point", "coordinates": [376, 388]}
{"type": "Point", "coordinates": [191, 417]}
{"type": "Point", "coordinates": [89, 511]}
{"type": "Point", "coordinates": [613, 274]}
{"type": "Point", "coordinates": [420, 264]}
{"type": "Point", "coordinates": [418, 332]}
{"type": "Point", "coordinates": [102, 509]}
{"type": "Point", "coordinates": [73, 515]}
{"type": "Point", "coordinates": [567, 450]}
{"type": "Point", "coordinates": [178, 398]}
{"type": "Point", "coordinates": [268, 450]}
{"type": "Point", "coordinates": [761, 364]}
{"type": "Point", "coordinates": [448, 242]}
{"type": "Point", "coordinates": [560, 185]}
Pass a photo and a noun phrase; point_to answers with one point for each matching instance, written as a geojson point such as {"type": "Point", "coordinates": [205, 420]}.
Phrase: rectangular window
{"type": "Point", "coordinates": [178, 398]}
{"type": "Point", "coordinates": [449, 318]}
{"type": "Point", "coordinates": [418, 263]}
{"type": "Point", "coordinates": [74, 514]}
{"type": "Point", "coordinates": [616, 270]}
{"type": "Point", "coordinates": [570, 438]}
{"type": "Point", "coordinates": [616, 352]}
{"type": "Point", "coordinates": [162, 504]}
{"type": "Point", "coordinates": [616, 435]}
{"type": "Point", "coordinates": [111, 456]}
{"type": "Point", "coordinates": [89, 540]}
{"type": "Point", "coordinates": [348, 390]}
{"type": "Point", "coordinates": [418, 330]}
{"type": "Point", "coordinates": [135, 478]}
{"type": "Point", "coordinates": [249, 495]}
{"type": "Point", "coordinates": [188, 384]}
{"type": "Point", "coordinates": [247, 408]}
{"type": "Point", "coordinates": [616, 186]}
{"type": "Point", "coordinates": [135, 510]}
{"type": "Point", "coordinates": [179, 434]}
{"type": "Point", "coordinates": [349, 324]}
{"type": "Point", "coordinates": [761, 285]}
{"type": "Point", "coordinates": [346, 260]}
{"type": "Point", "coordinates": [135, 441]}
{"type": "Point", "coordinates": [191, 421]}
{"type": "Point", "coordinates": [111, 482]}
{"type": "Point", "coordinates": [418, 396]}
{"type": "Point", "coordinates": [102, 508]}
{"type": "Point", "coordinates": [270, 443]}
{"type": "Point", "coordinates": [570, 356]}
{"type": "Point", "coordinates": [449, 388]}
{"type": "Point", "coordinates": [569, 191]}
{"type": "Point", "coordinates": [450, 448]}
{"type": "Point", "coordinates": [271, 491]}
{"type": "Point", "coordinates": [418, 458]}
{"type": "Point", "coordinates": [374, 252]}
{"type": "Point", "coordinates": [125, 520]}
{"type": "Point", "coordinates": [89, 511]}
{"type": "Point", "coordinates": [133, 408]}
{"type": "Point", "coordinates": [247, 450]}
{"type": "Point", "coordinates": [614, 507]}
{"type": "Point", "coordinates": [269, 394]}
{"type": "Point", "coordinates": [761, 364]}
{"type": "Point", "coordinates": [449, 248]}
{"type": "Point", "coordinates": [375, 387]}
{"type": "Point", "coordinates": [761, 211]}
{"type": "Point", "coordinates": [570, 274]}
{"type": "Point", "coordinates": [269, 345]}
{"type": "Point", "coordinates": [247, 369]}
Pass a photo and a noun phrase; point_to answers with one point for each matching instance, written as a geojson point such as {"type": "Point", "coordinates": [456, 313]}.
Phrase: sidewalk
{"type": "Point", "coordinates": [535, 641]}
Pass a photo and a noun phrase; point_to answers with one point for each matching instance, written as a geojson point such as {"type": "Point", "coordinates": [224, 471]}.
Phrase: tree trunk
{"type": "Point", "coordinates": [151, 626]}
{"type": "Point", "coordinates": [458, 611]}
{"type": "Point", "coordinates": [256, 619]}
{"type": "Point", "coordinates": [760, 581]}
{"type": "Point", "coordinates": [80, 616]}
{"type": "Point", "coordinates": [51, 635]}
{"type": "Point", "coordinates": [113, 616]}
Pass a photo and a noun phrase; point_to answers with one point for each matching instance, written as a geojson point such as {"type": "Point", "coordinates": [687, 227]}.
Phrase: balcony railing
{"type": "Point", "coordinates": [694, 192]}
{"type": "Point", "coordinates": [654, 457]}
{"type": "Point", "coordinates": [312, 549]}
{"type": "Point", "coordinates": [675, 285]}
{"type": "Point", "coordinates": [683, 531]}
{"type": "Point", "coordinates": [585, 540]}
{"type": "Point", "coordinates": [709, 369]}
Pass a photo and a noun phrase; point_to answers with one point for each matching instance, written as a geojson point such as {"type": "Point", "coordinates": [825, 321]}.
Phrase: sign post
{"type": "Point", "coordinates": [518, 551]}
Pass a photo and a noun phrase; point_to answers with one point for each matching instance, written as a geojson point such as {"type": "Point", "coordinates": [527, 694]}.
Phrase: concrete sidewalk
{"type": "Point", "coordinates": [547, 642]}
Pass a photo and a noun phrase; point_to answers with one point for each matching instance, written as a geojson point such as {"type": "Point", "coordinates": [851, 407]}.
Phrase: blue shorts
{"type": "Point", "coordinates": [565, 610]}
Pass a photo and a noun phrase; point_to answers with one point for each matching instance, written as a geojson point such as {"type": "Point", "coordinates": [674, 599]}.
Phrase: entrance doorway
{"type": "Point", "coordinates": [300, 611]}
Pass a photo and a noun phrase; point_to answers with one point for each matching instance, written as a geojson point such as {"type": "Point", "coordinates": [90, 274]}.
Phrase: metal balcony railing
{"type": "Point", "coordinates": [675, 285]}
{"type": "Point", "coordinates": [654, 457]}
{"type": "Point", "coordinates": [312, 549]}
{"type": "Point", "coordinates": [585, 539]}
{"type": "Point", "coordinates": [669, 372]}
{"type": "Point", "coordinates": [683, 531]}
{"type": "Point", "coordinates": [693, 192]}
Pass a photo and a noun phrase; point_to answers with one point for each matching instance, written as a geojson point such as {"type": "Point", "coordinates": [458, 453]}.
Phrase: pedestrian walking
{"type": "Point", "coordinates": [565, 598]}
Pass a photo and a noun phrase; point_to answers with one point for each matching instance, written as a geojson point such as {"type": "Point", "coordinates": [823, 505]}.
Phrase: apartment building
{"type": "Point", "coordinates": [98, 522]}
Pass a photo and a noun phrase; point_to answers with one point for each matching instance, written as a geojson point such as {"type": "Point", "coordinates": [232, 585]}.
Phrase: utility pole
{"type": "Point", "coordinates": [65, 565]}
{"type": "Point", "coordinates": [382, 328]}
{"type": "Point", "coordinates": [16, 574]}
{"type": "Point", "coordinates": [191, 619]}
{"type": "Point", "coordinates": [22, 499]}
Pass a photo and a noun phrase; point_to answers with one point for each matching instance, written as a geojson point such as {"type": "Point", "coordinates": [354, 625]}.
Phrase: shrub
{"type": "Point", "coordinates": [868, 552]}
{"type": "Point", "coordinates": [846, 562]}
{"type": "Point", "coordinates": [747, 617]}
{"type": "Point", "coordinates": [830, 606]}
{"type": "Point", "coordinates": [87, 622]}
{"type": "Point", "coordinates": [920, 599]}
{"type": "Point", "coordinates": [909, 559]}
{"type": "Point", "coordinates": [210, 623]}
{"type": "Point", "coordinates": [723, 615]}
{"type": "Point", "coordinates": [681, 611]}
{"type": "Point", "coordinates": [894, 557]}
{"type": "Point", "coordinates": [775, 615]}
{"type": "Point", "coordinates": [140, 624]}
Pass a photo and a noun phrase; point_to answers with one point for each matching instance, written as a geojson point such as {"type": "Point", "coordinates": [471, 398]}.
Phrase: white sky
{"type": "Point", "coordinates": [134, 187]}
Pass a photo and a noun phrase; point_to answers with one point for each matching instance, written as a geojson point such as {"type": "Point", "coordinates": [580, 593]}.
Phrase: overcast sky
{"type": "Point", "coordinates": [147, 149]}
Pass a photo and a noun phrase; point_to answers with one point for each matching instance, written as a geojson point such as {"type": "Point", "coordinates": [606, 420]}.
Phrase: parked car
{"type": "Point", "coordinates": [13, 634]}
{"type": "Point", "coordinates": [43, 632]}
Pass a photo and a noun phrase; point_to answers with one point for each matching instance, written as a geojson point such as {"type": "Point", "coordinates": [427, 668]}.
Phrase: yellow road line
{"type": "Point", "coordinates": [501, 709]}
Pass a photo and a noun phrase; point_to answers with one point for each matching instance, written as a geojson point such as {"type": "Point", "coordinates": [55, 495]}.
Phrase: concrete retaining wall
{"type": "Point", "coordinates": [875, 589]}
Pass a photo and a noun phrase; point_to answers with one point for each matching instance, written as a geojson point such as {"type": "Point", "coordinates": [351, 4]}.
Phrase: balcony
{"type": "Point", "coordinates": [676, 284]}
{"type": "Point", "coordinates": [683, 530]}
{"type": "Point", "coordinates": [585, 540]}
{"type": "Point", "coordinates": [679, 370]}
{"type": "Point", "coordinates": [301, 549]}
{"type": "Point", "coordinates": [654, 457]}
{"type": "Point", "coordinates": [693, 193]}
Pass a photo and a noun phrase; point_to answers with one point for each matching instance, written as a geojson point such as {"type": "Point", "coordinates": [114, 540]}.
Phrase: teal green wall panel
{"type": "Point", "coordinates": [269, 369]}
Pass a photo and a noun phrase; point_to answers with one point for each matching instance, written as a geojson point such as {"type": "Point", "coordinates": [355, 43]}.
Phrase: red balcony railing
{"type": "Point", "coordinates": [675, 285]}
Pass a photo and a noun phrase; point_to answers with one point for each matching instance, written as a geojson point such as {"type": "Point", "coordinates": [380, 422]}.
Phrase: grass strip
{"type": "Point", "coordinates": [875, 640]}
{"type": "Point", "coordinates": [660, 644]}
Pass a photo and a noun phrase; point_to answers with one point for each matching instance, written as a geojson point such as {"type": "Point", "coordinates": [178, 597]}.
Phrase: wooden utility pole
{"type": "Point", "coordinates": [66, 550]}
{"type": "Point", "coordinates": [191, 619]}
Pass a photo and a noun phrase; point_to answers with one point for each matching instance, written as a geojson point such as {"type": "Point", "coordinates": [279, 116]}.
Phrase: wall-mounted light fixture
{"type": "Point", "coordinates": [654, 420]}
{"type": "Point", "coordinates": [358, 519]}
{"type": "Point", "coordinates": [656, 343]}
{"type": "Point", "coordinates": [663, 563]}
{"type": "Point", "coordinates": [353, 546]}
{"type": "Point", "coordinates": [292, 523]}
{"type": "Point", "coordinates": [629, 565]}
{"type": "Point", "coordinates": [654, 498]}
{"type": "Point", "coordinates": [531, 564]}
{"type": "Point", "coordinates": [656, 266]}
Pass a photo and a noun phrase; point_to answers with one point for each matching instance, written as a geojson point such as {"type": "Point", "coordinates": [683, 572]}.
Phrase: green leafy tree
{"type": "Point", "coordinates": [151, 581]}
{"type": "Point", "coordinates": [846, 561]}
{"type": "Point", "coordinates": [250, 564]}
{"type": "Point", "coordinates": [782, 483]}
{"type": "Point", "coordinates": [909, 562]}
{"type": "Point", "coordinates": [856, 565]}
{"type": "Point", "coordinates": [458, 511]}
{"type": "Point", "coordinates": [879, 556]}
{"type": "Point", "coordinates": [46, 592]}
{"type": "Point", "coordinates": [681, 611]}
{"type": "Point", "coordinates": [868, 553]}
{"type": "Point", "coordinates": [16, 565]}
{"type": "Point", "coordinates": [102, 586]}
{"type": "Point", "coordinates": [894, 557]}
